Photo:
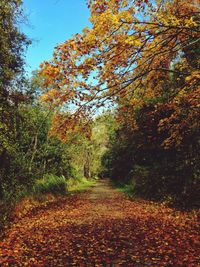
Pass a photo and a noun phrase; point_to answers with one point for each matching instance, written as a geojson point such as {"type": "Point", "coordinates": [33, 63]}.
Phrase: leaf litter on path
{"type": "Point", "coordinates": [101, 227]}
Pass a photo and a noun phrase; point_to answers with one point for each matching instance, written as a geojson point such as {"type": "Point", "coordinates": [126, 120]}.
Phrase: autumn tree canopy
{"type": "Point", "coordinates": [130, 53]}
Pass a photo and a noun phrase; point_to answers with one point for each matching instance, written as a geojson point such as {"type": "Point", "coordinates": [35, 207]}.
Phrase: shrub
{"type": "Point", "coordinates": [53, 184]}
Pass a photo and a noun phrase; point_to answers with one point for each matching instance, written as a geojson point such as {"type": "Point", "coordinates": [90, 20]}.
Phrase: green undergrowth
{"type": "Point", "coordinates": [59, 186]}
{"type": "Point", "coordinates": [50, 184]}
{"type": "Point", "coordinates": [79, 185]}
{"type": "Point", "coordinates": [127, 189]}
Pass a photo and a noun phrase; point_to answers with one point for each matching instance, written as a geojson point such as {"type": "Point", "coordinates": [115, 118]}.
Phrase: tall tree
{"type": "Point", "coordinates": [12, 47]}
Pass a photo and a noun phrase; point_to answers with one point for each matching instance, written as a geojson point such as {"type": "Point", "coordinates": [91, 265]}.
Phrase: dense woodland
{"type": "Point", "coordinates": [121, 100]}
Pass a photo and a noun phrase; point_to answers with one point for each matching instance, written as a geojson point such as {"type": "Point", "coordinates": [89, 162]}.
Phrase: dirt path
{"type": "Point", "coordinates": [101, 227]}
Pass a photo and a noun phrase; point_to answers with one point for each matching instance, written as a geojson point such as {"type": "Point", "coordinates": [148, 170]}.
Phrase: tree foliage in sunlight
{"type": "Point", "coordinates": [131, 47]}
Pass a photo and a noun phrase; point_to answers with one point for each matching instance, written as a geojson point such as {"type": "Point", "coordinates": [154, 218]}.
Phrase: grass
{"type": "Point", "coordinates": [50, 184]}
{"type": "Point", "coordinates": [79, 185]}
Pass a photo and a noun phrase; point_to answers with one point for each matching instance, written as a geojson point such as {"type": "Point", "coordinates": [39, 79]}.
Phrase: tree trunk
{"type": "Point", "coordinates": [87, 165]}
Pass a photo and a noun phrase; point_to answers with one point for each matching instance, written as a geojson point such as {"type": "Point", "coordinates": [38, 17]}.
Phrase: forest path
{"type": "Point", "coordinates": [101, 227]}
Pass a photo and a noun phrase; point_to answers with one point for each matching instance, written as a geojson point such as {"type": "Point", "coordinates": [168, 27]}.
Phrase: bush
{"type": "Point", "coordinates": [128, 189]}
{"type": "Point", "coordinates": [50, 184]}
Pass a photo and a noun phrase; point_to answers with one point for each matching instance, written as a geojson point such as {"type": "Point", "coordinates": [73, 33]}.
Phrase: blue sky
{"type": "Point", "coordinates": [51, 22]}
